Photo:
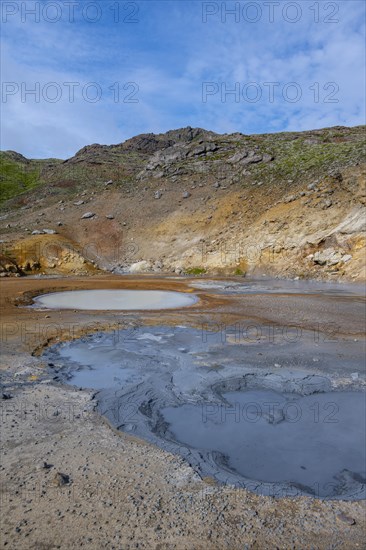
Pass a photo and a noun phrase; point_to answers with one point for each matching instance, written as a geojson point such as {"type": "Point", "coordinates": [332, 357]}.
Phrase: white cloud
{"type": "Point", "coordinates": [169, 54]}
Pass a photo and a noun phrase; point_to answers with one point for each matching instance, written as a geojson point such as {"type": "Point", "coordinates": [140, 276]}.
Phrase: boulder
{"type": "Point", "coordinates": [330, 257]}
{"type": "Point", "coordinates": [140, 267]}
{"type": "Point", "coordinates": [252, 158]}
{"type": "Point", "coordinates": [240, 155]}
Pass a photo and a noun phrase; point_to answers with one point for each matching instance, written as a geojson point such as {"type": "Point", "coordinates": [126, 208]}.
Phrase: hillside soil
{"type": "Point", "coordinates": [191, 201]}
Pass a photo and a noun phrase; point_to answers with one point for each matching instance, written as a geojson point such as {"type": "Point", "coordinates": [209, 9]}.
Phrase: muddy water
{"type": "Point", "coordinates": [315, 441]}
{"type": "Point", "coordinates": [115, 300]}
{"type": "Point", "coordinates": [259, 416]}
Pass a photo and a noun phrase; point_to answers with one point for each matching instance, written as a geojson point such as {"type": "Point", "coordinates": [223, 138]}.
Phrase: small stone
{"type": "Point", "coordinates": [49, 232]}
{"type": "Point", "coordinates": [87, 215]}
{"type": "Point", "coordinates": [110, 217]}
{"type": "Point", "coordinates": [109, 182]}
{"type": "Point", "coordinates": [78, 203]}
{"type": "Point", "coordinates": [346, 519]}
{"type": "Point", "coordinates": [336, 174]}
{"type": "Point", "coordinates": [327, 204]}
{"type": "Point", "coordinates": [61, 479]}
{"type": "Point", "coordinates": [157, 195]}
{"type": "Point", "coordinates": [186, 195]}
{"type": "Point", "coordinates": [290, 198]}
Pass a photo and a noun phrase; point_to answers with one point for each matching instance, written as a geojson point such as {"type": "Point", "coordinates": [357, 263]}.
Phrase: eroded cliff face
{"type": "Point", "coordinates": [290, 204]}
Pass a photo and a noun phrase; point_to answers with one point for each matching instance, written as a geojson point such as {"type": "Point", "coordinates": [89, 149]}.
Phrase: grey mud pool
{"type": "Point", "coordinates": [275, 418]}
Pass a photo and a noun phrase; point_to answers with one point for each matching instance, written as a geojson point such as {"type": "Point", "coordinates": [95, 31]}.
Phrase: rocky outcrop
{"type": "Point", "coordinates": [199, 156]}
{"type": "Point", "coordinates": [50, 254]}
{"type": "Point", "coordinates": [330, 257]}
{"type": "Point", "coordinates": [8, 267]}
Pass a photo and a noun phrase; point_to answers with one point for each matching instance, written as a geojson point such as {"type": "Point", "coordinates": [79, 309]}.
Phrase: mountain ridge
{"type": "Point", "coordinates": [183, 195]}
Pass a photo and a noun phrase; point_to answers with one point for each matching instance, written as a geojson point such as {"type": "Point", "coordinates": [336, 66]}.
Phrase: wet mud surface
{"type": "Point", "coordinates": [272, 418]}
{"type": "Point", "coordinates": [270, 286]}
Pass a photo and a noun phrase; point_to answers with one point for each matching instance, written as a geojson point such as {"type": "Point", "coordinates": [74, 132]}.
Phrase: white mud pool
{"type": "Point", "coordinates": [120, 300]}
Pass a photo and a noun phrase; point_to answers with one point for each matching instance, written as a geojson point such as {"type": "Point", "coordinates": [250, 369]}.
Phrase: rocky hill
{"type": "Point", "coordinates": [191, 201]}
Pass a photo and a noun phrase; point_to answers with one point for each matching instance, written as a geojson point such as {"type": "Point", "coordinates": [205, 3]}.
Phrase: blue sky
{"type": "Point", "coordinates": [172, 62]}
